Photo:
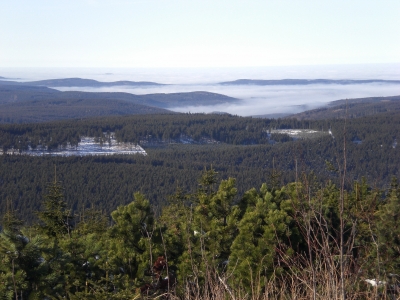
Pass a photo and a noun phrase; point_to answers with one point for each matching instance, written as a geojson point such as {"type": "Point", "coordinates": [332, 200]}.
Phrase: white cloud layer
{"type": "Point", "coordinates": [255, 100]}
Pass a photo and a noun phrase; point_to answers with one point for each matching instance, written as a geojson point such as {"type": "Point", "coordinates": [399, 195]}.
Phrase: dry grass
{"type": "Point", "coordinates": [290, 287]}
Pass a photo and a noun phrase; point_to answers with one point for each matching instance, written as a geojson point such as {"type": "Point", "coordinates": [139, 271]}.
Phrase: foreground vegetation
{"type": "Point", "coordinates": [302, 240]}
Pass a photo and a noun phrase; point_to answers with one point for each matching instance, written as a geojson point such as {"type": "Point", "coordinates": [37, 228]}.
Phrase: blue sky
{"type": "Point", "coordinates": [192, 33]}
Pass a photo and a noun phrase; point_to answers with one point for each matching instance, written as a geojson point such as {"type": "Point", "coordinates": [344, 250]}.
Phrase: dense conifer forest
{"type": "Point", "coordinates": [221, 207]}
{"type": "Point", "coordinates": [236, 147]}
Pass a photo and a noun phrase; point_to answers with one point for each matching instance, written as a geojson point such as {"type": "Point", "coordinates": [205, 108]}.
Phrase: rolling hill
{"type": "Point", "coordinates": [23, 103]}
{"type": "Point", "coordinates": [70, 108]}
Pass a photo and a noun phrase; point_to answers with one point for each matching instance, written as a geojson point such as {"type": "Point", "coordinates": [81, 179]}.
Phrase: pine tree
{"type": "Point", "coordinates": [388, 233]}
{"type": "Point", "coordinates": [211, 226]}
{"type": "Point", "coordinates": [264, 225]}
{"type": "Point", "coordinates": [21, 262]}
{"type": "Point", "coordinates": [131, 247]}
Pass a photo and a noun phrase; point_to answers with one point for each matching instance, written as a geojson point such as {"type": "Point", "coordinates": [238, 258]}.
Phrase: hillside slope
{"type": "Point", "coordinates": [351, 108]}
{"type": "Point", "coordinates": [60, 108]}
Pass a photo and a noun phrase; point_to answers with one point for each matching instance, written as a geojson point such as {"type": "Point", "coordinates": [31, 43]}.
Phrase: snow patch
{"type": "Point", "coordinates": [87, 146]}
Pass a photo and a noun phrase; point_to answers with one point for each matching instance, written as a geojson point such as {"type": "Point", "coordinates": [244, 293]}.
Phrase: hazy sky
{"type": "Point", "coordinates": [197, 33]}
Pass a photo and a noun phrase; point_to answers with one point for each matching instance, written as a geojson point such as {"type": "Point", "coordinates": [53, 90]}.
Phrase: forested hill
{"type": "Point", "coordinates": [67, 108]}
{"type": "Point", "coordinates": [80, 82]}
{"type": "Point", "coordinates": [305, 81]}
{"type": "Point", "coordinates": [352, 108]}
{"type": "Point", "coordinates": [24, 104]}
{"type": "Point", "coordinates": [20, 93]}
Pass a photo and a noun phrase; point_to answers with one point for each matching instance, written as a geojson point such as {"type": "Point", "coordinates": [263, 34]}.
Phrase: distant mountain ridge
{"type": "Point", "coordinates": [305, 81]}
{"type": "Point", "coordinates": [80, 82]}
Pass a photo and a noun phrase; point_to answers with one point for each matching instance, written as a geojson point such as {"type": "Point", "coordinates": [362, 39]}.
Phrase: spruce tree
{"type": "Point", "coordinates": [56, 228]}
{"type": "Point", "coordinates": [56, 218]}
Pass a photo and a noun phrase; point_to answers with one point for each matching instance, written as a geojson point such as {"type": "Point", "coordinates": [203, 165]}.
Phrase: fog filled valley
{"type": "Point", "coordinates": [254, 99]}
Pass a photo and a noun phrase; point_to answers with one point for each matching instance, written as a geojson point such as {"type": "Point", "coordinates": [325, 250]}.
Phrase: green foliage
{"type": "Point", "coordinates": [21, 262]}
{"type": "Point", "coordinates": [92, 220]}
{"type": "Point", "coordinates": [266, 223]}
{"type": "Point", "coordinates": [55, 216]}
{"type": "Point", "coordinates": [239, 148]}
{"type": "Point", "coordinates": [273, 232]}
{"type": "Point", "coordinates": [387, 232]}
{"type": "Point", "coordinates": [133, 222]}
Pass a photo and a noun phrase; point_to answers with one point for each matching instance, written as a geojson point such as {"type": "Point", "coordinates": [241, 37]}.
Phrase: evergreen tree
{"type": "Point", "coordinates": [265, 224]}
{"type": "Point", "coordinates": [56, 228]}
{"type": "Point", "coordinates": [92, 221]}
{"type": "Point", "coordinates": [387, 237]}
{"type": "Point", "coordinates": [132, 248]}
{"type": "Point", "coordinates": [56, 218]}
{"type": "Point", "coordinates": [21, 262]}
{"type": "Point", "coordinates": [211, 226]}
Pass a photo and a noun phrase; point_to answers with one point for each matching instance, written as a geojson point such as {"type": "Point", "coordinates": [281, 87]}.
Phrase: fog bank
{"type": "Point", "coordinates": [256, 100]}
{"type": "Point", "coordinates": [259, 100]}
